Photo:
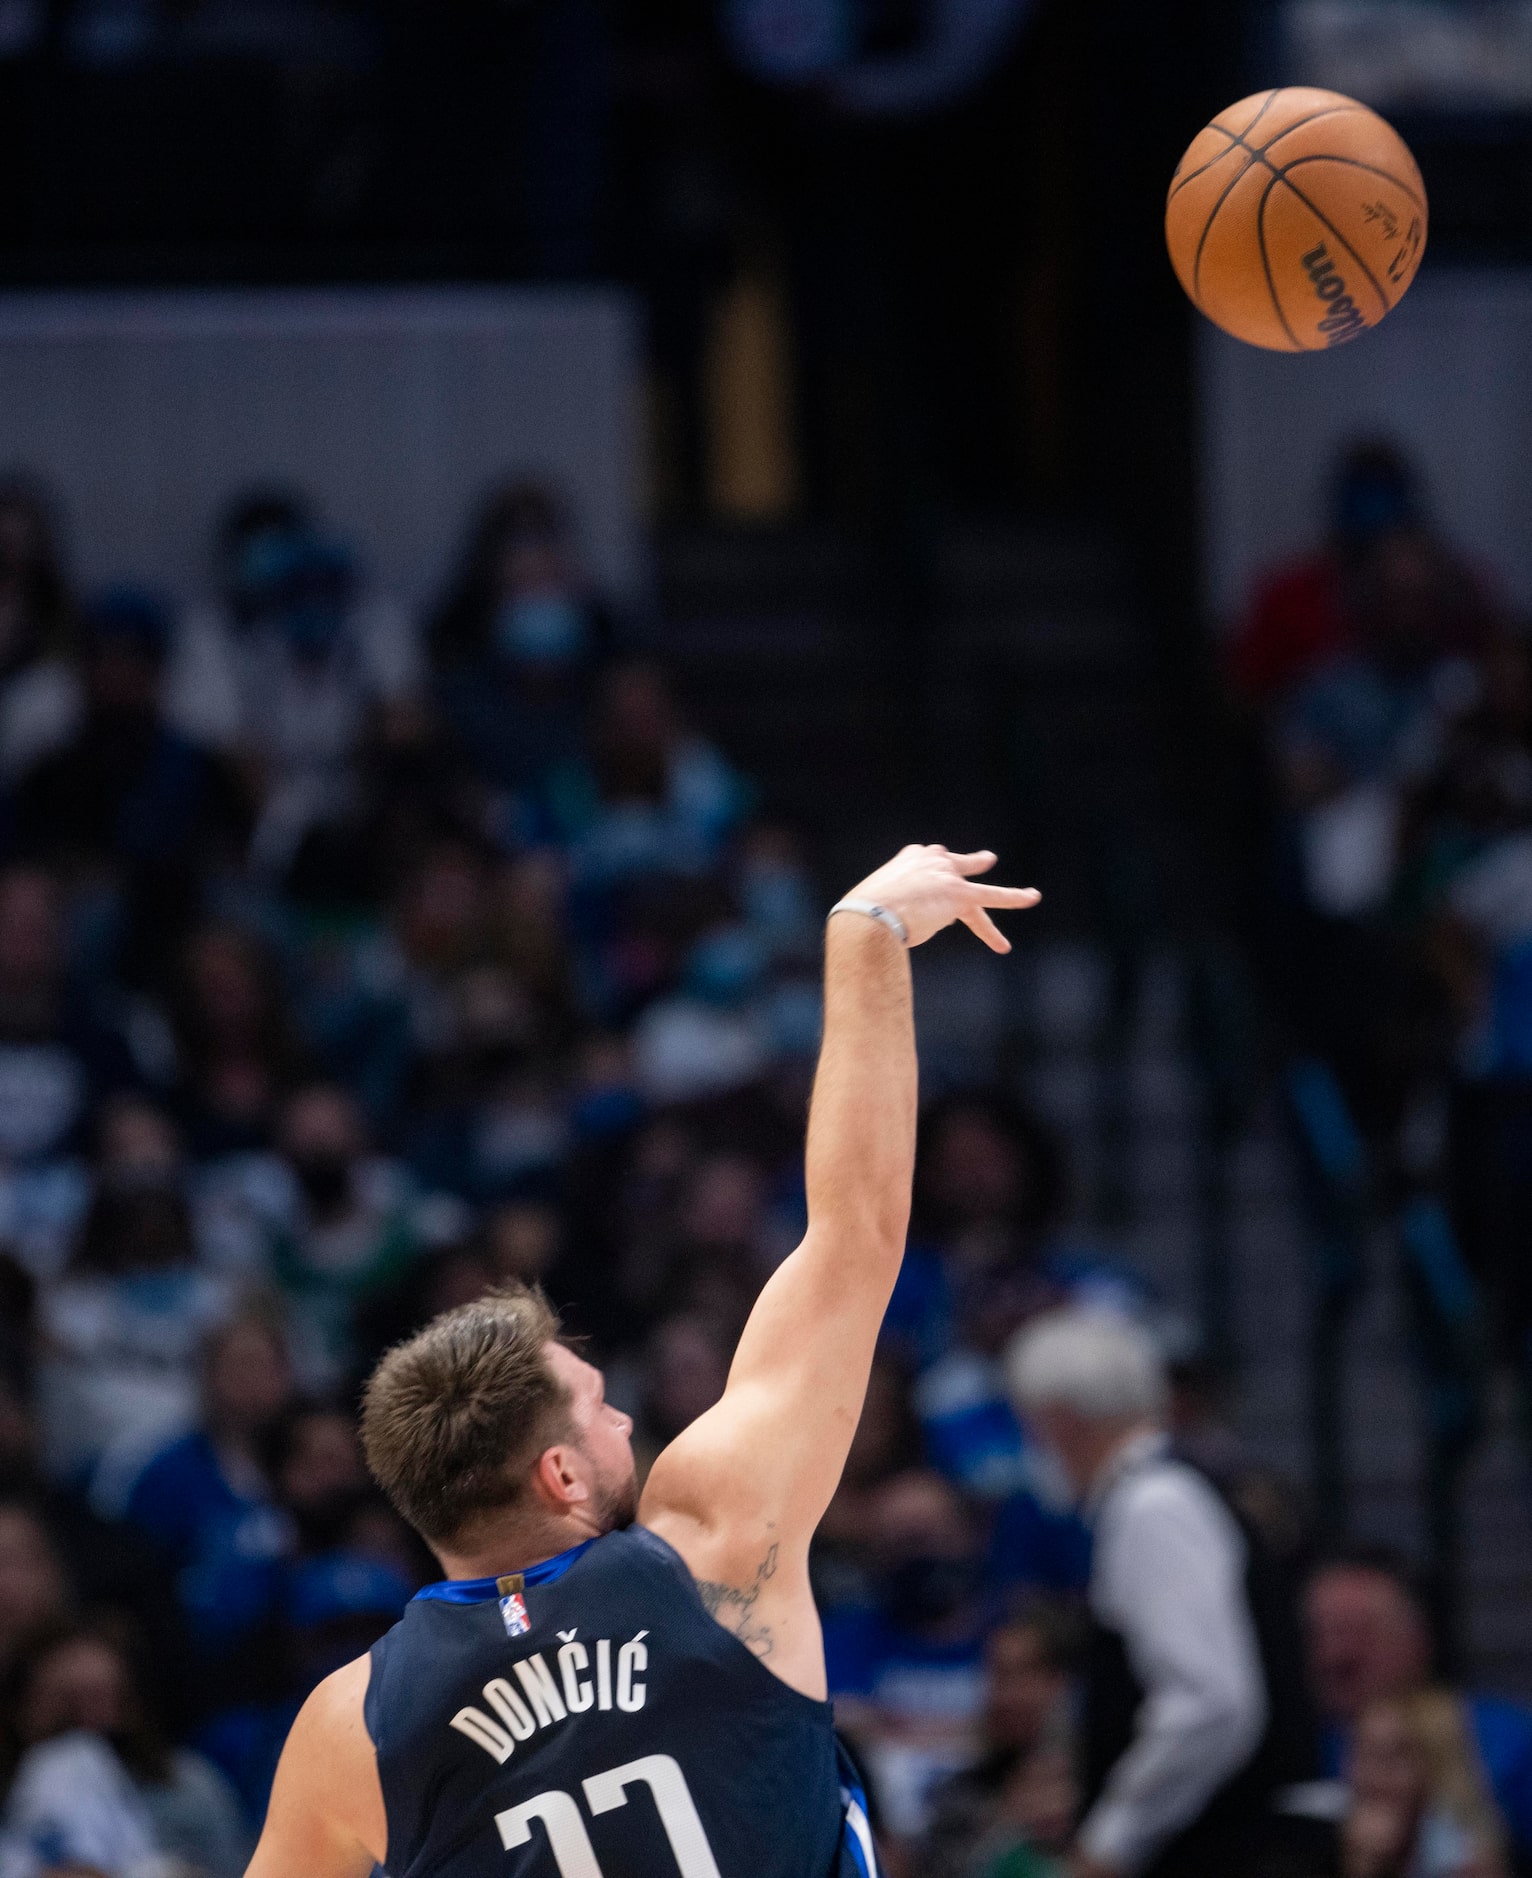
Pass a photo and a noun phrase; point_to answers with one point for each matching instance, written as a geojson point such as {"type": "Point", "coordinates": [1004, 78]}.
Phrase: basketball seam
{"type": "Point", "coordinates": [1207, 229]}
{"type": "Point", "coordinates": [1202, 168]}
{"type": "Point", "coordinates": [1237, 139]}
{"type": "Point", "coordinates": [1238, 142]}
{"type": "Point", "coordinates": [1271, 285]}
{"type": "Point", "coordinates": [1356, 163]}
{"type": "Point", "coordinates": [1330, 110]}
{"type": "Point", "coordinates": [1178, 183]}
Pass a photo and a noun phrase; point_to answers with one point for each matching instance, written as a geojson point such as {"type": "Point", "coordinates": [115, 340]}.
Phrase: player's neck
{"type": "Point", "coordinates": [495, 1551]}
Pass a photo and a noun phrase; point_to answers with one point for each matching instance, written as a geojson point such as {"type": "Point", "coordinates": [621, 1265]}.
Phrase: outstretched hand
{"type": "Point", "coordinates": [930, 887]}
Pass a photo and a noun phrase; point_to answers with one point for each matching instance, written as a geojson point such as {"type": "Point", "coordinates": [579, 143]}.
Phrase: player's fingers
{"type": "Point", "coordinates": [978, 921]}
{"type": "Point", "coordinates": [987, 895]}
{"type": "Point", "coordinates": [970, 864]}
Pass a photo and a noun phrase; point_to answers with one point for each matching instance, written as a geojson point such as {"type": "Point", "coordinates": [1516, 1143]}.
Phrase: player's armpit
{"type": "Point", "coordinates": [326, 1817]}
{"type": "Point", "coordinates": [739, 1607]}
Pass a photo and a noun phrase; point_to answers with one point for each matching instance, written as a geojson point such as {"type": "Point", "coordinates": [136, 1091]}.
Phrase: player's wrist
{"type": "Point", "coordinates": [864, 906]}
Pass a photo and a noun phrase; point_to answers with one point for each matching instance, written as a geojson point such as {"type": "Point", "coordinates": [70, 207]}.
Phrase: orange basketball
{"type": "Point", "coordinates": [1296, 220]}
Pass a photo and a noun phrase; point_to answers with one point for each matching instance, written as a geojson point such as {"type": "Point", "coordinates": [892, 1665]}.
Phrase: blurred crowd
{"type": "Point", "coordinates": [1393, 692]}
{"type": "Point", "coordinates": [352, 963]}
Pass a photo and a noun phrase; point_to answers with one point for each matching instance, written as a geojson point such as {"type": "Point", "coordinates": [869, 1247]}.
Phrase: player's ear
{"type": "Point", "coordinates": [558, 1480]}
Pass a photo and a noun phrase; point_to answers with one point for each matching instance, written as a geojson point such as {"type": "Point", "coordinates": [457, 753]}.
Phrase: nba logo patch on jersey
{"type": "Point", "coordinates": [513, 1606]}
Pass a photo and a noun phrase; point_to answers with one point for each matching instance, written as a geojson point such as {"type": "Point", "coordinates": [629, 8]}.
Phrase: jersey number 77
{"type": "Point", "coordinates": [570, 1842]}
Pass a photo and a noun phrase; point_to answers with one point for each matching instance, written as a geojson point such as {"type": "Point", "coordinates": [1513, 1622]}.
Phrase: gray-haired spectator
{"type": "Point", "coordinates": [284, 667]}
{"type": "Point", "coordinates": [1180, 1734]}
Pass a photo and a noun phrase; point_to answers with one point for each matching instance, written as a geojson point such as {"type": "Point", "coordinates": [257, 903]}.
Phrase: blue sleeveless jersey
{"type": "Point", "coordinates": [589, 1719]}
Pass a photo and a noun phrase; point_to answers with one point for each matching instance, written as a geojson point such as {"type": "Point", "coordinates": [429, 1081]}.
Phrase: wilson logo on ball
{"type": "Point", "coordinates": [1343, 319]}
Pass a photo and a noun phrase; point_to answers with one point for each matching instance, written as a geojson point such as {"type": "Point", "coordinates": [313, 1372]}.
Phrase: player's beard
{"type": "Point", "coordinates": [617, 1502]}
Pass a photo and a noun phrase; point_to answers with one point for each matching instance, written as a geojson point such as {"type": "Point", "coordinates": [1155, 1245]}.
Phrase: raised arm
{"type": "Point", "coordinates": [740, 1492]}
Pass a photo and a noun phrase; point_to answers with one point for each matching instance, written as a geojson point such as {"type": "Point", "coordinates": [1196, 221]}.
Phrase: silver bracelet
{"type": "Point", "coordinates": [869, 909]}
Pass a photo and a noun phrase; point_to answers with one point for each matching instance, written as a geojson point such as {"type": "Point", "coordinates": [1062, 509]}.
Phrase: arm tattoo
{"type": "Point", "coordinates": [734, 1607]}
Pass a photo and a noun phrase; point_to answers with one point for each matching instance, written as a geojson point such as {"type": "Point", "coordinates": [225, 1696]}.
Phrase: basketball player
{"type": "Point", "coordinates": [608, 1687]}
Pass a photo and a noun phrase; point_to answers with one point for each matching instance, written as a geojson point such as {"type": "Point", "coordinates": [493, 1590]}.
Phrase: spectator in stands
{"type": "Point", "coordinates": [488, 1095]}
{"type": "Point", "coordinates": [1202, 1434]}
{"type": "Point", "coordinates": [39, 688]}
{"type": "Point", "coordinates": [1369, 1641]}
{"type": "Point", "coordinates": [907, 1672]}
{"type": "Point", "coordinates": [685, 1366]}
{"type": "Point", "coordinates": [237, 1051]}
{"type": "Point", "coordinates": [714, 1252]}
{"type": "Point", "coordinates": [1469, 887]}
{"type": "Point", "coordinates": [524, 915]}
{"type": "Point", "coordinates": [712, 1033]}
{"type": "Point", "coordinates": [309, 659]}
{"type": "Point", "coordinates": [343, 1223]}
{"type": "Point", "coordinates": [987, 1256]}
{"type": "Point", "coordinates": [1019, 1795]}
{"type": "Point", "coordinates": [204, 1498]}
{"type": "Point", "coordinates": [990, 1188]}
{"type": "Point", "coordinates": [34, 1590]}
{"type": "Point", "coordinates": [50, 1537]}
{"type": "Point", "coordinates": [122, 1329]}
{"type": "Point", "coordinates": [277, 582]}
{"type": "Point", "coordinates": [415, 788]}
{"type": "Point", "coordinates": [321, 1481]}
{"type": "Point", "coordinates": [1353, 744]}
{"type": "Point", "coordinates": [1357, 733]}
{"type": "Point", "coordinates": [1417, 1805]}
{"type": "Point", "coordinates": [137, 1141]}
{"type": "Point", "coordinates": [336, 1607]}
{"type": "Point", "coordinates": [59, 1061]}
{"type": "Point", "coordinates": [887, 1442]}
{"type": "Point", "coordinates": [1306, 615]}
{"type": "Point", "coordinates": [128, 801]}
{"type": "Point", "coordinates": [472, 1028]}
{"type": "Point", "coordinates": [201, 690]}
{"type": "Point", "coordinates": [446, 1276]}
{"type": "Point", "coordinates": [652, 797]}
{"type": "Point", "coordinates": [139, 1145]}
{"type": "Point", "coordinates": [335, 1507]}
{"type": "Point", "coordinates": [373, 972]}
{"type": "Point", "coordinates": [776, 891]}
{"type": "Point", "coordinates": [1177, 1701]}
{"type": "Point", "coordinates": [97, 1785]}
{"type": "Point", "coordinates": [522, 1242]}
{"type": "Point", "coordinates": [1301, 615]}
{"type": "Point", "coordinates": [516, 637]}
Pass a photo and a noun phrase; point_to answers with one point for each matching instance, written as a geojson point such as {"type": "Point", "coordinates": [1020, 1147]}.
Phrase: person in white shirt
{"type": "Point", "coordinates": [1175, 1696]}
{"type": "Point", "coordinates": [284, 667]}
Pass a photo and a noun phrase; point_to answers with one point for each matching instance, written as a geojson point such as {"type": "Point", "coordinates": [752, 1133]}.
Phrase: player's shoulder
{"type": "Point", "coordinates": [334, 1715]}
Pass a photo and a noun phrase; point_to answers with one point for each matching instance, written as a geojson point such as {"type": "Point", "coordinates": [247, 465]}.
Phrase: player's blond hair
{"type": "Point", "coordinates": [453, 1419]}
